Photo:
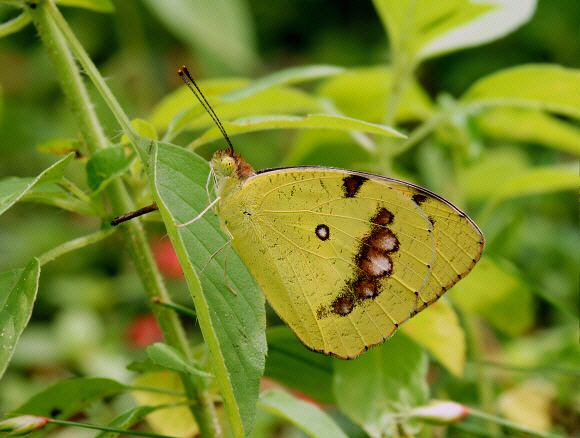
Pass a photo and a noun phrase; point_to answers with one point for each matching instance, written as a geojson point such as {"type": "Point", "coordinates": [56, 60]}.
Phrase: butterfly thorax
{"type": "Point", "coordinates": [231, 172]}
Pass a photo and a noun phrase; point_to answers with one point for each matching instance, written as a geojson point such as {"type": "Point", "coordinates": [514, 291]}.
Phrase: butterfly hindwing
{"type": "Point", "coordinates": [459, 242]}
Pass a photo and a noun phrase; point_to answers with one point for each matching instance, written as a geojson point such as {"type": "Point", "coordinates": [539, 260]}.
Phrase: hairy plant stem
{"type": "Point", "coordinates": [50, 26]}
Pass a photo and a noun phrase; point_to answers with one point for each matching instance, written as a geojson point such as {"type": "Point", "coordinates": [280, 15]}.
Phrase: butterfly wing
{"type": "Point", "coordinates": [459, 242]}
{"type": "Point", "coordinates": [344, 257]}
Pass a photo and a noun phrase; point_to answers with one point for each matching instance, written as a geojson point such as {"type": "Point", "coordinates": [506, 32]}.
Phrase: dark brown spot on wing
{"type": "Point", "coordinates": [376, 263]}
{"type": "Point", "coordinates": [352, 184]}
{"type": "Point", "coordinates": [343, 305]}
{"type": "Point", "coordinates": [383, 217]}
{"type": "Point", "coordinates": [419, 198]}
{"type": "Point", "coordinates": [366, 288]}
{"type": "Point", "coordinates": [322, 232]}
{"type": "Point", "coordinates": [383, 240]}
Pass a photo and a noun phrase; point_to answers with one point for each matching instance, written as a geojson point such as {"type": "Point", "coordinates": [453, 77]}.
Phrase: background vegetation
{"type": "Point", "coordinates": [513, 167]}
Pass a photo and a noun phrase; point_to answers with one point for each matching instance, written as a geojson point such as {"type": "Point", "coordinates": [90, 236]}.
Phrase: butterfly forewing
{"type": "Point", "coordinates": [342, 257]}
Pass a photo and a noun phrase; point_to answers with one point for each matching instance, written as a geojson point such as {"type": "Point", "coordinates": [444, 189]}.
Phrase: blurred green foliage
{"type": "Point", "coordinates": [509, 167]}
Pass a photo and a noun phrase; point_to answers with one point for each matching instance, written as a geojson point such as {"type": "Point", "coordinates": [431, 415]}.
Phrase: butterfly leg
{"type": "Point", "coordinates": [209, 177]}
{"type": "Point", "coordinates": [228, 244]}
{"type": "Point", "coordinates": [225, 275]}
{"type": "Point", "coordinates": [200, 214]}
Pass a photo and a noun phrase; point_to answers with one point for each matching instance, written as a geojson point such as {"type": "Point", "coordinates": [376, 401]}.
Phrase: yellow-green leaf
{"type": "Point", "coordinates": [312, 121]}
{"type": "Point", "coordinates": [497, 294]}
{"type": "Point", "coordinates": [362, 93]}
{"type": "Point", "coordinates": [439, 332]}
{"type": "Point", "coordinates": [530, 125]}
{"type": "Point", "coordinates": [542, 86]}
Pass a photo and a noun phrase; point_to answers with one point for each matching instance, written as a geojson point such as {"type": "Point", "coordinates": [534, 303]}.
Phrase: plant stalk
{"type": "Point", "coordinates": [49, 23]}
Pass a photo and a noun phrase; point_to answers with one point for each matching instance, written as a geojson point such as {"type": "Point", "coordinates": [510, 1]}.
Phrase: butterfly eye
{"type": "Point", "coordinates": [228, 166]}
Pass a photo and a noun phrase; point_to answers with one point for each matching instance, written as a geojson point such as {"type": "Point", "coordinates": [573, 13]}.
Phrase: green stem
{"type": "Point", "coordinates": [420, 133]}
{"type": "Point", "coordinates": [186, 311]}
{"type": "Point", "coordinates": [108, 429]}
{"type": "Point", "coordinates": [15, 3]}
{"type": "Point", "coordinates": [484, 381]}
{"type": "Point", "coordinates": [49, 24]}
{"type": "Point", "coordinates": [511, 425]}
{"type": "Point", "coordinates": [73, 189]}
{"type": "Point", "coordinates": [93, 73]}
{"type": "Point", "coordinates": [75, 244]}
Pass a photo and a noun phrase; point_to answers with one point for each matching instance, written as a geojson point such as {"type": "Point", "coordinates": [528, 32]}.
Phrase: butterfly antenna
{"type": "Point", "coordinates": [184, 74]}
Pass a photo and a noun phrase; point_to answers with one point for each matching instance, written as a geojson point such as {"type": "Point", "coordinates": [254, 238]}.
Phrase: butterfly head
{"type": "Point", "coordinates": [226, 164]}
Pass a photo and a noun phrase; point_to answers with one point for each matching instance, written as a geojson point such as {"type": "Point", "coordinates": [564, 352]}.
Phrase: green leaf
{"type": "Point", "coordinates": [14, 25]}
{"type": "Point", "coordinates": [297, 367]}
{"type": "Point", "coordinates": [495, 166]}
{"type": "Point", "coordinates": [362, 93]}
{"type": "Point", "coordinates": [306, 416]}
{"type": "Point", "coordinates": [382, 383]}
{"type": "Point", "coordinates": [233, 326]}
{"type": "Point", "coordinates": [61, 199]}
{"type": "Point", "coordinates": [312, 121]}
{"type": "Point", "coordinates": [270, 101]}
{"type": "Point", "coordinates": [496, 293]}
{"type": "Point", "coordinates": [169, 357]}
{"type": "Point", "coordinates": [234, 98]}
{"type": "Point", "coordinates": [12, 189]}
{"type": "Point", "coordinates": [166, 389]}
{"type": "Point", "coordinates": [419, 29]}
{"type": "Point", "coordinates": [105, 6]}
{"type": "Point", "coordinates": [530, 125]}
{"type": "Point", "coordinates": [127, 419]}
{"type": "Point", "coordinates": [68, 397]}
{"type": "Point", "coordinates": [105, 165]}
{"type": "Point", "coordinates": [17, 295]}
{"type": "Point", "coordinates": [328, 148]}
{"type": "Point", "coordinates": [292, 75]}
{"type": "Point", "coordinates": [221, 30]}
{"type": "Point", "coordinates": [540, 86]}
{"type": "Point", "coordinates": [61, 146]}
{"type": "Point", "coordinates": [535, 181]}
{"type": "Point", "coordinates": [144, 128]}
{"type": "Point", "coordinates": [437, 329]}
{"type": "Point", "coordinates": [182, 99]}
{"type": "Point", "coordinates": [502, 19]}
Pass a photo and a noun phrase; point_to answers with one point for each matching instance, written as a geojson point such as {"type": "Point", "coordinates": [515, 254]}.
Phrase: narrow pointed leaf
{"type": "Point", "coordinates": [68, 397]}
{"type": "Point", "coordinates": [313, 121]}
{"type": "Point", "coordinates": [17, 295]}
{"type": "Point", "coordinates": [12, 189]}
{"type": "Point", "coordinates": [170, 358]}
{"type": "Point", "coordinates": [306, 416]}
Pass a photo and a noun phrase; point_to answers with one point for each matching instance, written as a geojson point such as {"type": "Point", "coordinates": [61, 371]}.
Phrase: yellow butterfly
{"type": "Point", "coordinates": [343, 257]}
